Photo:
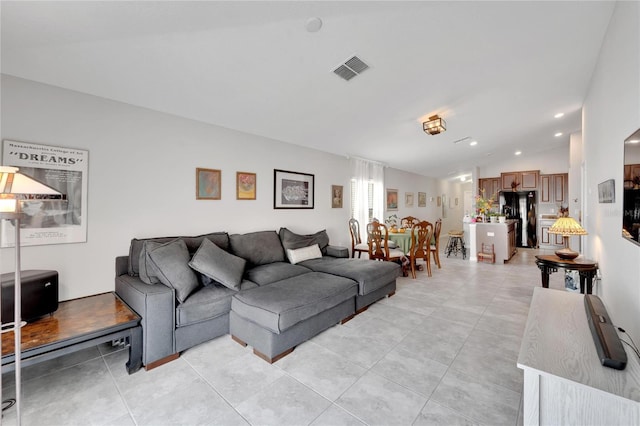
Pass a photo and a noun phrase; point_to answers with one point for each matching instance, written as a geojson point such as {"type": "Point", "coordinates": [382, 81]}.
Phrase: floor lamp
{"type": "Point", "coordinates": [14, 187]}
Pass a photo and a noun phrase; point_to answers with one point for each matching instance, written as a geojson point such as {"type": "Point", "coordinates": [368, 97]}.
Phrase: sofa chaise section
{"type": "Point", "coordinates": [277, 317]}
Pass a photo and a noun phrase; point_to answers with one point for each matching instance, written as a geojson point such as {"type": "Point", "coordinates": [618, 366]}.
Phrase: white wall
{"type": "Point", "coordinates": [142, 179]}
{"type": "Point", "coordinates": [548, 162]}
{"type": "Point", "coordinates": [611, 113]}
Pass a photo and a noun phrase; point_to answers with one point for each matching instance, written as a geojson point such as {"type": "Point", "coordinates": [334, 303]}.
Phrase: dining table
{"type": "Point", "coordinates": [402, 239]}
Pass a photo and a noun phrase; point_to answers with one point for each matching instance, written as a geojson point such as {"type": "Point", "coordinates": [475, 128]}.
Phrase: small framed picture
{"type": "Point", "coordinates": [293, 190]}
{"type": "Point", "coordinates": [408, 199]}
{"type": "Point", "coordinates": [392, 199]}
{"type": "Point", "coordinates": [439, 201]}
{"type": "Point", "coordinates": [336, 196]}
{"type": "Point", "coordinates": [246, 184]}
{"type": "Point", "coordinates": [607, 191]}
{"type": "Point", "coordinates": [422, 199]}
{"type": "Point", "coordinates": [208, 184]}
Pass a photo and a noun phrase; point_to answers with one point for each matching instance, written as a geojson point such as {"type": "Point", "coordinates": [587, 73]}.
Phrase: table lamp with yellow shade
{"type": "Point", "coordinates": [567, 227]}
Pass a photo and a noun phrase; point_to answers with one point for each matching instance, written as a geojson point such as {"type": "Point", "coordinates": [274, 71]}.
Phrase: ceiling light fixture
{"type": "Point", "coordinates": [558, 134]}
{"type": "Point", "coordinates": [634, 141]}
{"type": "Point", "coordinates": [473, 143]}
{"type": "Point", "coordinates": [434, 125]}
{"type": "Point", "coordinates": [559, 115]}
{"type": "Point", "coordinates": [518, 152]}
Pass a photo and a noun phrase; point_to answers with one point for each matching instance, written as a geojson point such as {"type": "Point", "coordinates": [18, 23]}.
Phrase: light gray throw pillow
{"type": "Point", "coordinates": [171, 260]}
{"type": "Point", "coordinates": [216, 263]}
{"type": "Point", "coordinates": [148, 271]}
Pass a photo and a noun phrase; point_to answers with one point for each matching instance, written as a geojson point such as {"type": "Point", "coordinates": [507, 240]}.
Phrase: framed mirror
{"type": "Point", "coordinates": [631, 189]}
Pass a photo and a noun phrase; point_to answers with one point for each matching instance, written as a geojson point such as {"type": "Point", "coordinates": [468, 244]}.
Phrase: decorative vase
{"type": "Point", "coordinates": [501, 219]}
{"type": "Point", "coordinates": [494, 219]}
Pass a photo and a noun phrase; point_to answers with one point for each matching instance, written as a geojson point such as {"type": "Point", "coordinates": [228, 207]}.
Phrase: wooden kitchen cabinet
{"type": "Point", "coordinates": [525, 181]}
{"type": "Point", "coordinates": [490, 187]}
{"type": "Point", "coordinates": [554, 188]}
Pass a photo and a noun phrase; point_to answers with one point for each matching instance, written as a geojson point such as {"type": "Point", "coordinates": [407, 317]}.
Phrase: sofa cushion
{"type": "Point", "coordinates": [304, 253]}
{"type": "Point", "coordinates": [291, 240]}
{"type": "Point", "coordinates": [219, 265]}
{"type": "Point", "coordinates": [221, 239]}
{"type": "Point", "coordinates": [206, 303]}
{"type": "Point", "coordinates": [148, 271]}
{"type": "Point", "coordinates": [281, 305]}
{"type": "Point", "coordinates": [370, 274]}
{"type": "Point", "coordinates": [272, 272]}
{"type": "Point", "coordinates": [171, 260]}
{"type": "Point", "coordinates": [258, 248]}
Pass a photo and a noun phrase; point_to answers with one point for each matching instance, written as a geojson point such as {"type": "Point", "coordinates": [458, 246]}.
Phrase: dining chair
{"type": "Point", "coordinates": [379, 245]}
{"type": "Point", "coordinates": [391, 244]}
{"type": "Point", "coordinates": [356, 242]}
{"type": "Point", "coordinates": [435, 244]}
{"type": "Point", "coordinates": [420, 245]}
{"type": "Point", "coordinates": [408, 222]}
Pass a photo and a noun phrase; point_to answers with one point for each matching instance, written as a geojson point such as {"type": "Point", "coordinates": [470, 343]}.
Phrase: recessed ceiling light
{"type": "Point", "coordinates": [634, 140]}
{"type": "Point", "coordinates": [473, 143]}
{"type": "Point", "coordinates": [518, 152]}
{"type": "Point", "coordinates": [559, 115]}
{"type": "Point", "coordinates": [558, 134]}
{"type": "Point", "coordinates": [462, 178]}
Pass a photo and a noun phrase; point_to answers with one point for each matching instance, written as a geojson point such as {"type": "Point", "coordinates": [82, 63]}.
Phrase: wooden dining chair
{"type": "Point", "coordinates": [391, 244]}
{"type": "Point", "coordinates": [435, 244]}
{"type": "Point", "coordinates": [379, 245]}
{"type": "Point", "coordinates": [408, 222]}
{"type": "Point", "coordinates": [356, 242]}
{"type": "Point", "coordinates": [420, 246]}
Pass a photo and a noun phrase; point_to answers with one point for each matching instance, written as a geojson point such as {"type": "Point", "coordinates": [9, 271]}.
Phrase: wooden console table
{"type": "Point", "coordinates": [587, 269]}
{"type": "Point", "coordinates": [564, 382]}
{"type": "Point", "coordinates": [77, 324]}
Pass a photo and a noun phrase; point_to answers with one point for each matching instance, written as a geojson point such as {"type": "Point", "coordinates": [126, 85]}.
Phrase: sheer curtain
{"type": "Point", "coordinates": [367, 204]}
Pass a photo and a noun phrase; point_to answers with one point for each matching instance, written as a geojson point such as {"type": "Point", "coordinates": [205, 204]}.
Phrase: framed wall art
{"type": "Point", "coordinates": [408, 199]}
{"type": "Point", "coordinates": [607, 191]}
{"type": "Point", "coordinates": [208, 184]}
{"type": "Point", "coordinates": [392, 199]}
{"type": "Point", "coordinates": [336, 196]}
{"type": "Point", "coordinates": [293, 190]}
{"type": "Point", "coordinates": [49, 219]}
{"type": "Point", "coordinates": [246, 184]}
{"type": "Point", "coordinates": [422, 199]}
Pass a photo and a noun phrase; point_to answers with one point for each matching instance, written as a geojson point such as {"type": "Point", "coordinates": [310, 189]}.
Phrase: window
{"type": "Point", "coordinates": [369, 200]}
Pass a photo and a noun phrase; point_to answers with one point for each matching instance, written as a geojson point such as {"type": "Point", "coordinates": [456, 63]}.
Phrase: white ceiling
{"type": "Point", "coordinates": [496, 71]}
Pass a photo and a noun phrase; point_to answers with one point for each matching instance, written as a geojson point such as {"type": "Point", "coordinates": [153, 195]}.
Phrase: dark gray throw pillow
{"type": "Point", "coordinates": [171, 260]}
{"type": "Point", "coordinates": [148, 271]}
{"type": "Point", "coordinates": [292, 241]}
{"type": "Point", "coordinates": [216, 263]}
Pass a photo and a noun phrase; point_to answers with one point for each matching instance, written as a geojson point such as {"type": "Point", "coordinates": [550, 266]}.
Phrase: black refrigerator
{"type": "Point", "coordinates": [522, 206]}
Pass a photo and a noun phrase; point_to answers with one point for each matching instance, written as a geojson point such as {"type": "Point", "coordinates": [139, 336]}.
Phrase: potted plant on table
{"type": "Point", "coordinates": [483, 205]}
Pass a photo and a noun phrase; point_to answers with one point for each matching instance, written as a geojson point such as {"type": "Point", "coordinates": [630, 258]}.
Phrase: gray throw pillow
{"type": "Point", "coordinates": [292, 241]}
{"type": "Point", "coordinates": [171, 260]}
{"type": "Point", "coordinates": [258, 248]}
{"type": "Point", "coordinates": [148, 271]}
{"type": "Point", "coordinates": [214, 262]}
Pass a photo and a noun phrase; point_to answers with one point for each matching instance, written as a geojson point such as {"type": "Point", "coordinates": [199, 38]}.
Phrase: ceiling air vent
{"type": "Point", "coordinates": [351, 68]}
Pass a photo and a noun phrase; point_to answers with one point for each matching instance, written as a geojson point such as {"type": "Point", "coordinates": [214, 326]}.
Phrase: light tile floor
{"type": "Point", "coordinates": [443, 350]}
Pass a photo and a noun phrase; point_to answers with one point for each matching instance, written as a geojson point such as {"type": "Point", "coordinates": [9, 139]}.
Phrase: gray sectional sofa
{"type": "Point", "coordinates": [270, 290]}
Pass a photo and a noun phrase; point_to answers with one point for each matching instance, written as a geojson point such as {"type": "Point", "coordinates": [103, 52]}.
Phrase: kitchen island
{"type": "Point", "coordinates": [501, 235]}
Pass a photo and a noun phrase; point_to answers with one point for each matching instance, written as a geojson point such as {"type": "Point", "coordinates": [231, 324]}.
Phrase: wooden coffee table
{"type": "Point", "coordinates": [77, 324]}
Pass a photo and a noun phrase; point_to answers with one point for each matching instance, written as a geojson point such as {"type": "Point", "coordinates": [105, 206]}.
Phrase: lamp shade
{"type": "Point", "coordinates": [14, 183]}
{"type": "Point", "coordinates": [567, 226]}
